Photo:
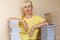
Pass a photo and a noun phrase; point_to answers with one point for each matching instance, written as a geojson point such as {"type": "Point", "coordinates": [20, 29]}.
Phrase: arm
{"type": "Point", "coordinates": [37, 26]}
{"type": "Point", "coordinates": [40, 24]}
{"type": "Point", "coordinates": [12, 18]}
{"type": "Point", "coordinates": [25, 25]}
{"type": "Point", "coordinates": [20, 20]}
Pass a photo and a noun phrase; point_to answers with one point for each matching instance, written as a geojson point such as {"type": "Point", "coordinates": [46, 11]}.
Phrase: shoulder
{"type": "Point", "coordinates": [39, 17]}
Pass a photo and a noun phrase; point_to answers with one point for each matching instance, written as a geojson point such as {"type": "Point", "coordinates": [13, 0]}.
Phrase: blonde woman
{"type": "Point", "coordinates": [29, 23]}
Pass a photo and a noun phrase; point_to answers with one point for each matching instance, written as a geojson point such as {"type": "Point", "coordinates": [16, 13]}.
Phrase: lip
{"type": "Point", "coordinates": [28, 11]}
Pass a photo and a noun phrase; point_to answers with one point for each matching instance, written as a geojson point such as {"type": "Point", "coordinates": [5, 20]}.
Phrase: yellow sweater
{"type": "Point", "coordinates": [31, 22]}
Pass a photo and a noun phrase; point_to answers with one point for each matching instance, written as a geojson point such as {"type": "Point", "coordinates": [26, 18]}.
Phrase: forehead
{"type": "Point", "coordinates": [26, 4]}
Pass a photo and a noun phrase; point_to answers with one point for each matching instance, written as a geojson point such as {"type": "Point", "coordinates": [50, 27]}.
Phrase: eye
{"type": "Point", "coordinates": [29, 6]}
{"type": "Point", "coordinates": [25, 7]}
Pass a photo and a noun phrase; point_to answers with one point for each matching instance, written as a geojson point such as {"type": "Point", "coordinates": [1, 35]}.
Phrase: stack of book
{"type": "Point", "coordinates": [14, 30]}
{"type": "Point", "coordinates": [48, 32]}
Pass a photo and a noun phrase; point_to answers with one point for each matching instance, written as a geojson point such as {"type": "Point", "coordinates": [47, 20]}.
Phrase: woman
{"type": "Point", "coordinates": [29, 23]}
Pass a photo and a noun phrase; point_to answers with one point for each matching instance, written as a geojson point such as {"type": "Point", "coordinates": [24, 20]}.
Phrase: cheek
{"type": "Point", "coordinates": [30, 8]}
{"type": "Point", "coordinates": [24, 9]}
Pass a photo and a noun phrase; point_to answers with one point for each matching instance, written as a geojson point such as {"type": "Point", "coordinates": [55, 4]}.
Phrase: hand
{"type": "Point", "coordinates": [31, 31]}
{"type": "Point", "coordinates": [25, 25]}
{"type": "Point", "coordinates": [20, 20]}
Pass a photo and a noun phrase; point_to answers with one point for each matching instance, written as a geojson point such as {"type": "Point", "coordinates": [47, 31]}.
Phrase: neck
{"type": "Point", "coordinates": [28, 16]}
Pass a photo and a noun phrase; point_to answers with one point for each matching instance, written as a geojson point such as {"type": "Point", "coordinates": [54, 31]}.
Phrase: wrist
{"type": "Point", "coordinates": [33, 27]}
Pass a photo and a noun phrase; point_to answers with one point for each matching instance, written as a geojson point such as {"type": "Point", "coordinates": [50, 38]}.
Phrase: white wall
{"type": "Point", "coordinates": [8, 8]}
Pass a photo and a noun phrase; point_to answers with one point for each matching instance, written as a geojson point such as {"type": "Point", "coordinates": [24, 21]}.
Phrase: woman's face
{"type": "Point", "coordinates": [27, 8]}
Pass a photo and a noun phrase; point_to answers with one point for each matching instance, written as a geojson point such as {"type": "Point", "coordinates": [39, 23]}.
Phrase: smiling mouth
{"type": "Point", "coordinates": [28, 11]}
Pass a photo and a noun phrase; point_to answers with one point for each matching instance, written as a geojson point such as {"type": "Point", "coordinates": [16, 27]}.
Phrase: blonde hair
{"type": "Point", "coordinates": [30, 3]}
{"type": "Point", "coordinates": [31, 6]}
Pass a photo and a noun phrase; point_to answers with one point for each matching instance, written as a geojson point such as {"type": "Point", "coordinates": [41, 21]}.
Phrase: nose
{"type": "Point", "coordinates": [27, 7]}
